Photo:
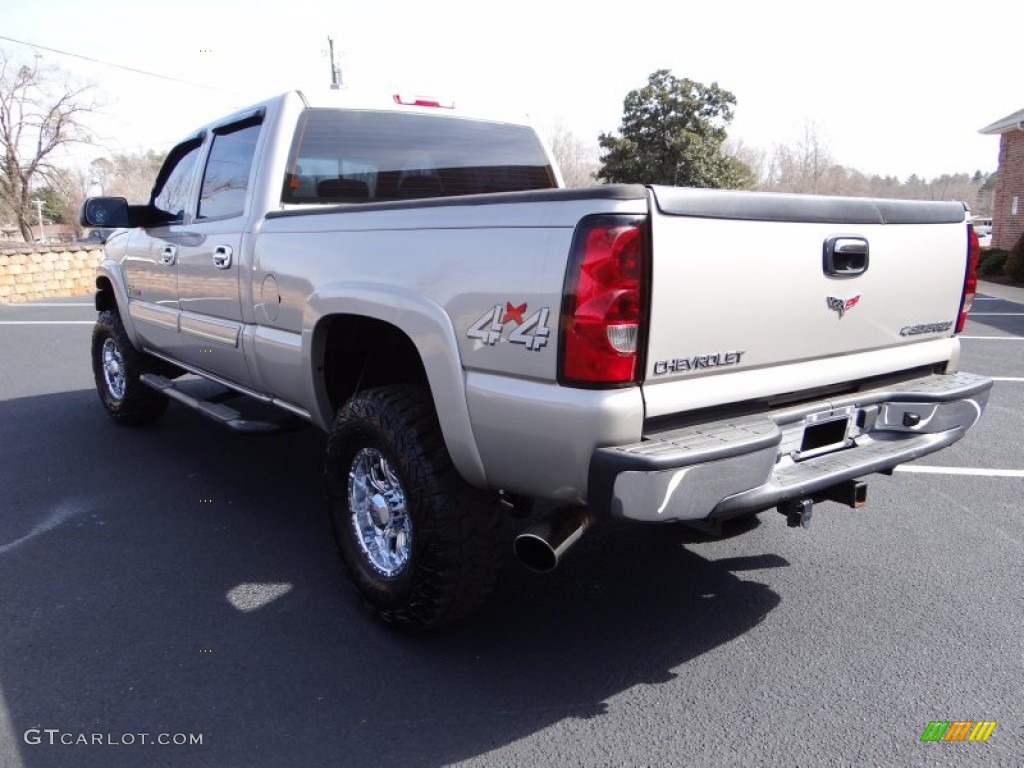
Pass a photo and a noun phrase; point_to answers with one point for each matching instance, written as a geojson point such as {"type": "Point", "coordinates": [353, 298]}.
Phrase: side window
{"type": "Point", "coordinates": [226, 178]}
{"type": "Point", "coordinates": [170, 195]}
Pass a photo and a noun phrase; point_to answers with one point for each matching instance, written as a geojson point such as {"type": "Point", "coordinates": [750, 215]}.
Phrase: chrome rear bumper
{"type": "Point", "coordinates": [729, 467]}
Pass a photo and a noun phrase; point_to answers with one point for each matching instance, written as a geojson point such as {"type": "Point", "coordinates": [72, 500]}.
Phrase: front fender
{"type": "Point", "coordinates": [114, 274]}
{"type": "Point", "coordinates": [431, 331]}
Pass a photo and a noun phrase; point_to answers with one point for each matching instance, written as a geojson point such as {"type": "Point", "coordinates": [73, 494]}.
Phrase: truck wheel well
{"type": "Point", "coordinates": [105, 298]}
{"type": "Point", "coordinates": [361, 353]}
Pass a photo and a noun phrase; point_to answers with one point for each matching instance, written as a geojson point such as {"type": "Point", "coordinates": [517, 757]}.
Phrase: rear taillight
{"type": "Point", "coordinates": [603, 308]}
{"type": "Point", "coordinates": [970, 278]}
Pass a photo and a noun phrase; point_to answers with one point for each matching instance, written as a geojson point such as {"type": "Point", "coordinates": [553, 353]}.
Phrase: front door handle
{"type": "Point", "coordinates": [222, 256]}
{"type": "Point", "coordinates": [169, 255]}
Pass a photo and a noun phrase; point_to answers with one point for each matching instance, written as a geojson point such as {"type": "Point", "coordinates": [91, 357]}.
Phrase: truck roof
{"type": "Point", "coordinates": [410, 102]}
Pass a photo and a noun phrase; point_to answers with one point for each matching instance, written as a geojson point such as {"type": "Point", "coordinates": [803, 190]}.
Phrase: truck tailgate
{"type": "Point", "coordinates": [743, 281]}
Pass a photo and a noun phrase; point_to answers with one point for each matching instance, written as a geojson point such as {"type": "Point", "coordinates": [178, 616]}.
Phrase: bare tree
{"type": "Point", "coordinates": [69, 186]}
{"type": "Point", "coordinates": [577, 160]}
{"type": "Point", "coordinates": [807, 166]}
{"type": "Point", "coordinates": [801, 167]}
{"type": "Point", "coordinates": [753, 157]}
{"type": "Point", "coordinates": [40, 110]}
{"type": "Point", "coordinates": [128, 174]}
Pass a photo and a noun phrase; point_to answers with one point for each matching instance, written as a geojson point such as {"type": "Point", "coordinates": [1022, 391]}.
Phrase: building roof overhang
{"type": "Point", "coordinates": [1014, 122]}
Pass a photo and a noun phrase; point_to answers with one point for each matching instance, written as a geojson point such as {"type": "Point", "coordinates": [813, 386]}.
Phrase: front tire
{"type": "Point", "coordinates": [420, 545]}
{"type": "Point", "coordinates": [116, 367]}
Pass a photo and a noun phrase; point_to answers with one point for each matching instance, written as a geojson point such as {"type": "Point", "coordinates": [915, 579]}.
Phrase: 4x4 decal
{"type": "Point", "coordinates": [532, 332]}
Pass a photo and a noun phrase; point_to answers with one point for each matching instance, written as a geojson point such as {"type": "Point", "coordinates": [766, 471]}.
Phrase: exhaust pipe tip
{"type": "Point", "coordinates": [542, 546]}
{"type": "Point", "coordinates": [535, 553]}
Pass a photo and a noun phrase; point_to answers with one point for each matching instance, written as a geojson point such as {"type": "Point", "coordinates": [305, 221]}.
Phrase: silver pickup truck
{"type": "Point", "coordinates": [412, 280]}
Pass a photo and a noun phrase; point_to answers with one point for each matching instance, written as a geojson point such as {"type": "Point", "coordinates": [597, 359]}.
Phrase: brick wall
{"type": "Point", "coordinates": [1007, 229]}
{"type": "Point", "coordinates": [40, 271]}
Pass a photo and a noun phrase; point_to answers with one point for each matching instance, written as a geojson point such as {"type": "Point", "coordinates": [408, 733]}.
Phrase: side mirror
{"type": "Point", "coordinates": [104, 212]}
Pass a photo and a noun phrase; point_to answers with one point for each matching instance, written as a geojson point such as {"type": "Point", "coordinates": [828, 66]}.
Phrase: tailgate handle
{"type": "Point", "coordinates": [845, 256]}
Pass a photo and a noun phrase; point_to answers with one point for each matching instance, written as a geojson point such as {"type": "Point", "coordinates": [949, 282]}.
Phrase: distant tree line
{"type": "Point", "coordinates": [673, 132]}
{"type": "Point", "coordinates": [122, 174]}
{"type": "Point", "coordinates": [807, 166]}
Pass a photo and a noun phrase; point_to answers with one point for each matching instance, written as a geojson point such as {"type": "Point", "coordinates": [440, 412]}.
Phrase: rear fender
{"type": "Point", "coordinates": [431, 331]}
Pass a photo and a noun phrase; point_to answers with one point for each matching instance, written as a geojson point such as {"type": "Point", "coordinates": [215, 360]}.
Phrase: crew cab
{"type": "Point", "coordinates": [412, 279]}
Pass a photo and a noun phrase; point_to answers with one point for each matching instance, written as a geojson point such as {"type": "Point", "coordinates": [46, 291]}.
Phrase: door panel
{"type": "Point", "coordinates": [151, 259]}
{"type": "Point", "coordinates": [211, 310]}
{"type": "Point", "coordinates": [210, 257]}
{"type": "Point", "coordinates": [152, 286]}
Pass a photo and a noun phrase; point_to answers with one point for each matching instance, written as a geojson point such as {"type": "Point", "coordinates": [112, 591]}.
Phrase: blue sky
{"type": "Point", "coordinates": [895, 87]}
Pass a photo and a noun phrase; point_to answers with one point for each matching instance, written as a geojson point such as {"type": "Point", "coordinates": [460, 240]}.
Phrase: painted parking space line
{"type": "Point", "coordinates": [8, 737]}
{"type": "Point", "coordinates": [47, 322]}
{"type": "Point", "coordinates": [994, 338]}
{"type": "Point", "coordinates": [47, 304]}
{"type": "Point", "coordinates": [927, 470]}
{"type": "Point", "coordinates": [61, 514]}
{"type": "Point", "coordinates": [997, 314]}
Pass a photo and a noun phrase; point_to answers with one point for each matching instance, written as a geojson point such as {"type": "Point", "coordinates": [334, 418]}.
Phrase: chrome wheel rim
{"type": "Point", "coordinates": [380, 519]}
{"type": "Point", "coordinates": [113, 369]}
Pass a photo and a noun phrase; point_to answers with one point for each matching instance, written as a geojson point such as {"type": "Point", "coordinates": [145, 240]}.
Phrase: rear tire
{"type": "Point", "coordinates": [420, 545]}
{"type": "Point", "coordinates": [116, 367]}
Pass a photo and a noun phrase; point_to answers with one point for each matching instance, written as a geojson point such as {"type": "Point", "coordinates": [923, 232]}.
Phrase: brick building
{"type": "Point", "coordinates": [1008, 201]}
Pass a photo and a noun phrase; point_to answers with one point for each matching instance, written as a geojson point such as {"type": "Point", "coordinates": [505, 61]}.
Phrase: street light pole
{"type": "Point", "coordinates": [335, 69]}
{"type": "Point", "coordinates": [39, 211]}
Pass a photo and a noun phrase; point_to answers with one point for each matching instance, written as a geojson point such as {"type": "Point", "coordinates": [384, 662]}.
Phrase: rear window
{"type": "Point", "coordinates": [345, 156]}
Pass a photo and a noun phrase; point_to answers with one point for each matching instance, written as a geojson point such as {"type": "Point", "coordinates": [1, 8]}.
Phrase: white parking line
{"type": "Point", "coordinates": [962, 471]}
{"type": "Point", "coordinates": [47, 322]}
{"type": "Point", "coordinates": [994, 338]}
{"type": "Point", "coordinates": [43, 304]}
{"type": "Point", "coordinates": [8, 739]}
{"type": "Point", "coordinates": [63, 512]}
{"type": "Point", "coordinates": [1006, 378]}
{"type": "Point", "coordinates": [997, 314]}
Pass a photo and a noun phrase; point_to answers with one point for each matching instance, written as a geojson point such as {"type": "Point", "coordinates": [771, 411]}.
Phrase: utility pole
{"type": "Point", "coordinates": [39, 211]}
{"type": "Point", "coordinates": [335, 69]}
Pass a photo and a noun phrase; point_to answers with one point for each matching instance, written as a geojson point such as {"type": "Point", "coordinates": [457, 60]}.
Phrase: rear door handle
{"type": "Point", "coordinates": [169, 255]}
{"type": "Point", "coordinates": [845, 256]}
{"type": "Point", "coordinates": [222, 256]}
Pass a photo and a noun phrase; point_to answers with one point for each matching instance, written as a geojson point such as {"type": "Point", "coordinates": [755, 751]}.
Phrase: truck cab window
{"type": "Point", "coordinates": [365, 156]}
{"type": "Point", "coordinates": [226, 178]}
{"type": "Point", "coordinates": [171, 193]}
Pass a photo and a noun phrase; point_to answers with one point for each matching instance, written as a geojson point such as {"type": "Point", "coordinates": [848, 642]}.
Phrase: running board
{"type": "Point", "coordinates": [213, 410]}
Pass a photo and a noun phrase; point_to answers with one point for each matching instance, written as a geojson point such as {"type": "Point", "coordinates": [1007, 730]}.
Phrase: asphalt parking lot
{"type": "Point", "coordinates": [180, 580]}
